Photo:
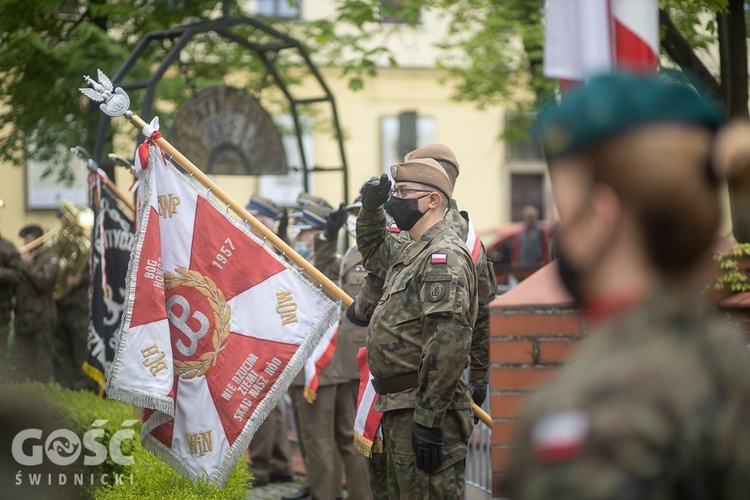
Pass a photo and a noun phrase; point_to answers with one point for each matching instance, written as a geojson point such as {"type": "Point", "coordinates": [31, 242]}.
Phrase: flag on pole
{"type": "Point", "coordinates": [112, 241]}
{"type": "Point", "coordinates": [577, 39]}
{"type": "Point", "coordinates": [216, 325]}
{"type": "Point", "coordinates": [318, 360]}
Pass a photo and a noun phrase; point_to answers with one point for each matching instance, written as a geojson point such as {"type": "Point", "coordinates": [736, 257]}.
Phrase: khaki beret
{"type": "Point", "coordinates": [424, 171]}
{"type": "Point", "coordinates": [439, 152]}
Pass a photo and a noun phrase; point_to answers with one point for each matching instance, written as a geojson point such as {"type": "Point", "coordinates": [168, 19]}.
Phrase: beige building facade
{"type": "Point", "coordinates": [493, 183]}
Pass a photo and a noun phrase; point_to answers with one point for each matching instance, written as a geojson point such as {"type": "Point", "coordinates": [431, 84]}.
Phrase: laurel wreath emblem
{"type": "Point", "coordinates": [222, 316]}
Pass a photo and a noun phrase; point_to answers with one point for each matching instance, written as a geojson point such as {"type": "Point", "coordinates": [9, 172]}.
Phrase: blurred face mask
{"type": "Point", "coordinates": [301, 248]}
{"type": "Point", "coordinates": [351, 225]}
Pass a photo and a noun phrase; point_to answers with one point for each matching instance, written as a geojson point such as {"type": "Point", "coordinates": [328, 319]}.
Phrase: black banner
{"type": "Point", "coordinates": [112, 241]}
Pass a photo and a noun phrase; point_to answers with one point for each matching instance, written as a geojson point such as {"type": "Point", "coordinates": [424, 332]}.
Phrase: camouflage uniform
{"type": "Point", "coordinates": [487, 290]}
{"type": "Point", "coordinates": [422, 326]}
{"type": "Point", "coordinates": [73, 314]}
{"type": "Point", "coordinates": [655, 406]}
{"type": "Point", "coordinates": [36, 316]}
{"type": "Point", "coordinates": [9, 263]}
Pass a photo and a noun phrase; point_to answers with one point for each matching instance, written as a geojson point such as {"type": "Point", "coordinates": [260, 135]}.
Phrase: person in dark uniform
{"type": "Point", "coordinates": [10, 262]}
{"type": "Point", "coordinates": [73, 309]}
{"type": "Point", "coordinates": [36, 313]}
{"type": "Point", "coordinates": [656, 403]}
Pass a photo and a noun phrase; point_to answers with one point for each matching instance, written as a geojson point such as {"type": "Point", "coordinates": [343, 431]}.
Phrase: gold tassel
{"type": "Point", "coordinates": [310, 395]}
{"type": "Point", "coordinates": [363, 445]}
{"type": "Point", "coordinates": [96, 375]}
{"type": "Point", "coordinates": [377, 445]}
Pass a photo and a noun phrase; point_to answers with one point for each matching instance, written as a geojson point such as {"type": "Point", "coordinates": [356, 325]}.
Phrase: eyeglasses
{"type": "Point", "coordinates": [400, 192]}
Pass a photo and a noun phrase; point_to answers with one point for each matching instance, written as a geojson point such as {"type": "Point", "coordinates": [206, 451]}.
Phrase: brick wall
{"type": "Point", "coordinates": [533, 330]}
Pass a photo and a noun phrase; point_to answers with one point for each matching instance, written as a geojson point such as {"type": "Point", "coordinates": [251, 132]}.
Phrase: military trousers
{"type": "Point", "coordinates": [403, 479]}
{"type": "Point", "coordinates": [270, 452]}
{"type": "Point", "coordinates": [34, 353]}
{"type": "Point", "coordinates": [71, 341]}
{"type": "Point", "coordinates": [325, 427]}
{"type": "Point", "coordinates": [4, 336]}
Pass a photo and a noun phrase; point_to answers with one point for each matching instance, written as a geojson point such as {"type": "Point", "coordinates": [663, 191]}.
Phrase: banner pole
{"type": "Point", "coordinates": [113, 188]}
{"type": "Point", "coordinates": [116, 103]}
{"type": "Point", "coordinates": [277, 242]}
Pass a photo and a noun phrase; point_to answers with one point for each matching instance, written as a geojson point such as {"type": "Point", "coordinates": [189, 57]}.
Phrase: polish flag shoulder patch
{"type": "Point", "coordinates": [438, 258]}
{"type": "Point", "coordinates": [394, 229]}
{"type": "Point", "coordinates": [560, 436]}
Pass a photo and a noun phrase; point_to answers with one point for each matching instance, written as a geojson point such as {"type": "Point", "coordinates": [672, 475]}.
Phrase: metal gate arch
{"type": "Point", "coordinates": [268, 52]}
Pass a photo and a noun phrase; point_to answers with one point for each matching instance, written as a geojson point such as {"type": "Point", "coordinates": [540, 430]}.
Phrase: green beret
{"type": "Point", "coordinates": [616, 103]}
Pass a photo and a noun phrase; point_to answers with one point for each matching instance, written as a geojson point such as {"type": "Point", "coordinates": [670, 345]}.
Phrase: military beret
{"type": "Point", "coordinates": [31, 229]}
{"type": "Point", "coordinates": [424, 171]}
{"type": "Point", "coordinates": [311, 216]}
{"type": "Point", "coordinates": [613, 104]}
{"type": "Point", "coordinates": [439, 152]}
{"type": "Point", "coordinates": [259, 205]}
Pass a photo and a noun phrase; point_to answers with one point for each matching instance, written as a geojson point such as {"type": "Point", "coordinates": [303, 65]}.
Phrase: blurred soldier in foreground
{"type": "Point", "coordinates": [9, 263]}
{"type": "Point", "coordinates": [36, 314]}
{"type": "Point", "coordinates": [656, 404]}
{"type": "Point", "coordinates": [270, 454]}
{"type": "Point", "coordinates": [419, 339]}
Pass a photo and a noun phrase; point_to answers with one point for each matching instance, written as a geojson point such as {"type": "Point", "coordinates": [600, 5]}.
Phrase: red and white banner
{"type": "Point", "coordinates": [216, 325]}
{"type": "Point", "coordinates": [577, 39]}
{"type": "Point", "coordinates": [318, 360]}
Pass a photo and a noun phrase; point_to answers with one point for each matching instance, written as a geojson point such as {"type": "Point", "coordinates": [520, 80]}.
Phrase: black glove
{"type": "Point", "coordinates": [281, 232]}
{"type": "Point", "coordinates": [351, 315]}
{"type": "Point", "coordinates": [478, 393]}
{"type": "Point", "coordinates": [334, 220]}
{"type": "Point", "coordinates": [375, 193]}
{"type": "Point", "coordinates": [428, 447]}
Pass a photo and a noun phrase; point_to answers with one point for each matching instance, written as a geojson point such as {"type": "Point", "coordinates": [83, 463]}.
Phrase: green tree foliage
{"type": "Point", "coordinates": [493, 48]}
{"type": "Point", "coordinates": [46, 46]}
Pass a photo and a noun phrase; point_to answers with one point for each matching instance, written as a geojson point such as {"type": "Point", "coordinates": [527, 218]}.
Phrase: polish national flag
{"type": "Point", "coordinates": [577, 39]}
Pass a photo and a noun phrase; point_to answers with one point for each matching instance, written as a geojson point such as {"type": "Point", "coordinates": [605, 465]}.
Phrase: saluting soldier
{"type": "Point", "coordinates": [36, 314]}
{"type": "Point", "coordinates": [459, 221]}
{"type": "Point", "coordinates": [419, 338]}
{"type": "Point", "coordinates": [656, 404]}
{"type": "Point", "coordinates": [10, 261]}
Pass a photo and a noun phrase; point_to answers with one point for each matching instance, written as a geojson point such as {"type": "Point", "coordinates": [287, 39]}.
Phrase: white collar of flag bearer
{"type": "Point", "coordinates": [216, 325]}
{"type": "Point", "coordinates": [368, 433]}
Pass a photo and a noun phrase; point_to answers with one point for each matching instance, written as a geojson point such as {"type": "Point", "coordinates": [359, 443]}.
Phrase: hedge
{"type": "Point", "coordinates": [147, 477]}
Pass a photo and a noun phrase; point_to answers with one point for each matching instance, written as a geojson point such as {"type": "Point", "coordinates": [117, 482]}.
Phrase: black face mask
{"type": "Point", "coordinates": [570, 276]}
{"type": "Point", "coordinates": [405, 212]}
